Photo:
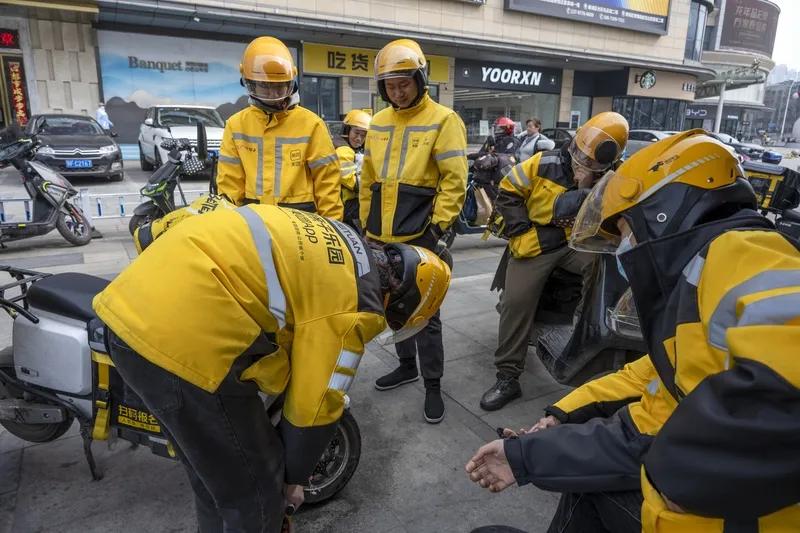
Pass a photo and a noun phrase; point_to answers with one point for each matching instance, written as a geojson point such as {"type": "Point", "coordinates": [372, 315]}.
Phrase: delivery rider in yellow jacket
{"type": "Point", "coordinates": [253, 299]}
{"type": "Point", "coordinates": [275, 151]}
{"type": "Point", "coordinates": [538, 200]}
{"type": "Point", "coordinates": [701, 434]}
{"type": "Point", "coordinates": [413, 183]}
{"type": "Point", "coordinates": [350, 150]}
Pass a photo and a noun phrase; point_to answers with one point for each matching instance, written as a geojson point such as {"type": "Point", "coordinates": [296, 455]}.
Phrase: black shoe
{"type": "Point", "coordinates": [399, 376]}
{"type": "Point", "coordinates": [434, 406]}
{"type": "Point", "coordinates": [502, 392]}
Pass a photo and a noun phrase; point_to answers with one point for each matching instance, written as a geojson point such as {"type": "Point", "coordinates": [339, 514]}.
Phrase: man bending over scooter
{"type": "Point", "coordinates": [538, 201]}
{"type": "Point", "coordinates": [257, 298]}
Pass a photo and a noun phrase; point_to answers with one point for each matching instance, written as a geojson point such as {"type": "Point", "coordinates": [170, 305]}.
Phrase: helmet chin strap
{"type": "Point", "coordinates": [288, 103]}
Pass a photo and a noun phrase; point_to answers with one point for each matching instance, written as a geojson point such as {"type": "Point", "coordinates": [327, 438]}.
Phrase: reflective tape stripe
{"type": "Point", "coordinates": [340, 382]}
{"type": "Point", "coordinates": [276, 299]}
{"type": "Point", "coordinates": [279, 142]}
{"type": "Point", "coordinates": [388, 154]}
{"type": "Point", "coordinates": [355, 245]}
{"type": "Point", "coordinates": [346, 171]}
{"type": "Point", "coordinates": [404, 147]}
{"type": "Point", "coordinates": [724, 316]}
{"type": "Point", "coordinates": [652, 387]}
{"type": "Point", "coordinates": [519, 179]}
{"type": "Point", "coordinates": [348, 166]}
{"type": "Point", "coordinates": [322, 161]}
{"type": "Point", "coordinates": [694, 269]}
{"type": "Point", "coordinates": [259, 142]}
{"type": "Point", "coordinates": [777, 309]}
{"type": "Point", "coordinates": [448, 155]}
{"type": "Point", "coordinates": [231, 160]}
{"type": "Point", "coordinates": [550, 160]}
{"type": "Point", "coordinates": [348, 359]}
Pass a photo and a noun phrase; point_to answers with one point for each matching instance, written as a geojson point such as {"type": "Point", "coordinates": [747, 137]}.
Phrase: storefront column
{"type": "Point", "coordinates": [346, 92]}
{"type": "Point", "coordinates": [600, 104]}
{"type": "Point", "coordinates": [446, 89]}
{"type": "Point", "coordinates": [565, 102]}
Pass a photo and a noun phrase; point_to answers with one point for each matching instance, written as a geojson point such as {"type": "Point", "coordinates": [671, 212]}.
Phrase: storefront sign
{"type": "Point", "coordinates": [359, 62]}
{"type": "Point", "coordinates": [18, 96]}
{"type": "Point", "coordinates": [661, 84]}
{"type": "Point", "coordinates": [649, 17]}
{"type": "Point", "coordinates": [696, 112]}
{"type": "Point", "coordinates": [508, 77]}
{"type": "Point", "coordinates": [646, 79]}
{"type": "Point", "coordinates": [750, 25]}
{"type": "Point", "coordinates": [9, 39]}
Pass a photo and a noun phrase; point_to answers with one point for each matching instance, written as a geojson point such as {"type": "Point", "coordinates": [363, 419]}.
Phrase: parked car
{"type": "Point", "coordinates": [559, 136]}
{"type": "Point", "coordinates": [76, 146]}
{"type": "Point", "coordinates": [176, 122]}
{"type": "Point", "coordinates": [638, 139]}
{"type": "Point", "coordinates": [747, 150]}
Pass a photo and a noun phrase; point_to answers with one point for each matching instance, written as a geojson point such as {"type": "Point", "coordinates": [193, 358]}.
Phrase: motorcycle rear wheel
{"type": "Point", "coordinates": [137, 221]}
{"type": "Point", "coordinates": [38, 432]}
{"type": "Point", "coordinates": [73, 225]}
{"type": "Point", "coordinates": [338, 463]}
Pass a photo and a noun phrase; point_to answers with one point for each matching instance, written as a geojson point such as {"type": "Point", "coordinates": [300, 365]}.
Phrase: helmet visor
{"type": "Point", "coordinates": [397, 61]}
{"type": "Point", "coordinates": [588, 234]}
{"type": "Point", "coordinates": [594, 149]}
{"type": "Point", "coordinates": [623, 318]}
{"type": "Point", "coordinates": [269, 91]}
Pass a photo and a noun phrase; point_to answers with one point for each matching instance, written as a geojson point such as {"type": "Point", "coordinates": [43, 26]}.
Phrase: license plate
{"type": "Point", "coordinates": [79, 163]}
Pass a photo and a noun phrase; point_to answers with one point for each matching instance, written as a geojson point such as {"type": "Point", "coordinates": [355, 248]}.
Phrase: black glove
{"type": "Point", "coordinates": [431, 236]}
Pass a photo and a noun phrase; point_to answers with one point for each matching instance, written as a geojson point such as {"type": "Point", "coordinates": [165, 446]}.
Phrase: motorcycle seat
{"type": "Point", "coordinates": [69, 294]}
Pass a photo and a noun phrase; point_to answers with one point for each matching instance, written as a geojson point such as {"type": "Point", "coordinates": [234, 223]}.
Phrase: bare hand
{"type": "Point", "coordinates": [489, 467]}
{"type": "Point", "coordinates": [543, 423]}
{"type": "Point", "coordinates": [293, 498]}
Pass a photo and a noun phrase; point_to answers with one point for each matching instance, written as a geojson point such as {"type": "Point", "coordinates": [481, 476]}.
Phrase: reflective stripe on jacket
{"type": "Point", "coordinates": [235, 281]}
{"type": "Point", "coordinates": [727, 450]}
{"type": "Point", "coordinates": [414, 172]}
{"type": "Point", "coordinates": [527, 200]}
{"type": "Point", "coordinates": [284, 159]}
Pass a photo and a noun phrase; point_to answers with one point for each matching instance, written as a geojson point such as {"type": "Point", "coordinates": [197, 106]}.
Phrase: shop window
{"type": "Point", "coordinates": [360, 95]}
{"type": "Point", "coordinates": [651, 113]}
{"type": "Point", "coordinates": [698, 14]}
{"type": "Point", "coordinates": [433, 91]}
{"type": "Point", "coordinates": [321, 95]}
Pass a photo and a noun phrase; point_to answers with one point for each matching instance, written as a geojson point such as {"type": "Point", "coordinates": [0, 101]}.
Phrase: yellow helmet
{"type": "Point", "coordinates": [268, 70]}
{"type": "Point", "coordinates": [398, 59]}
{"type": "Point", "coordinates": [600, 141]}
{"type": "Point", "coordinates": [424, 280]}
{"type": "Point", "coordinates": [357, 119]}
{"type": "Point", "coordinates": [665, 188]}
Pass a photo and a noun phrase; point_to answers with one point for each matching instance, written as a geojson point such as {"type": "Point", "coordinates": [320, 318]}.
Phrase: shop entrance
{"type": "Point", "coordinates": [479, 108]}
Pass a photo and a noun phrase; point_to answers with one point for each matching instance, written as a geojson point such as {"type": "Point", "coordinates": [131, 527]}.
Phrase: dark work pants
{"type": "Point", "coordinates": [232, 454]}
{"type": "Point", "coordinates": [524, 284]}
{"type": "Point", "coordinates": [428, 342]}
{"type": "Point", "coordinates": [598, 512]}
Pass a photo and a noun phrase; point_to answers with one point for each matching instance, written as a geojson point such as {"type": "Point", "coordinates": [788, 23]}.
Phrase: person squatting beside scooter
{"type": "Point", "coordinates": [702, 433]}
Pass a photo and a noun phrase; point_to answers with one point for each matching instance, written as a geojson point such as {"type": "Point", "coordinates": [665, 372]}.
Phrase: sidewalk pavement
{"type": "Point", "coordinates": [411, 475]}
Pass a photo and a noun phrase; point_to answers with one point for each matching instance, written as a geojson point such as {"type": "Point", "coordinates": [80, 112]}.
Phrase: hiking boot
{"type": "Point", "coordinates": [434, 406]}
{"type": "Point", "coordinates": [506, 389]}
{"type": "Point", "coordinates": [405, 373]}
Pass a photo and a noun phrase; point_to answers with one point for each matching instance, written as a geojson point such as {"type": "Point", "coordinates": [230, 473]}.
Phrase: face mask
{"type": "Point", "coordinates": [623, 247]}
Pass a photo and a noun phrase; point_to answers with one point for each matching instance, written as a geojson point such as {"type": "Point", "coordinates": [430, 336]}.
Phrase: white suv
{"type": "Point", "coordinates": [178, 122]}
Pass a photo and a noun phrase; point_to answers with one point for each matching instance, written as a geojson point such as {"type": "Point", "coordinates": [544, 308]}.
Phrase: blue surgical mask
{"type": "Point", "coordinates": [624, 245]}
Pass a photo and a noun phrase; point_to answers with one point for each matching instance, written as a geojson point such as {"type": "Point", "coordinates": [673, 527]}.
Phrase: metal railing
{"type": "Point", "coordinates": [94, 205]}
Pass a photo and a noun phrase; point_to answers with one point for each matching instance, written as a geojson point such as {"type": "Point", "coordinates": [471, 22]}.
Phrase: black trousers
{"type": "Point", "coordinates": [230, 450]}
{"type": "Point", "coordinates": [598, 512]}
{"type": "Point", "coordinates": [428, 342]}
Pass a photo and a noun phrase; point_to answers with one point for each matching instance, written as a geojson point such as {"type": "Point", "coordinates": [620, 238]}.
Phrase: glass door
{"type": "Point", "coordinates": [321, 95]}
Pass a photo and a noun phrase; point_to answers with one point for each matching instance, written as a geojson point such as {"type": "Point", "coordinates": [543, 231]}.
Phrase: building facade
{"type": "Point", "coordinates": [561, 62]}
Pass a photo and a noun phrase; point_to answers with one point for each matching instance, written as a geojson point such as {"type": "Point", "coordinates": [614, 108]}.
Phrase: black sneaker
{"type": "Point", "coordinates": [399, 376]}
{"type": "Point", "coordinates": [434, 406]}
{"type": "Point", "coordinates": [506, 389]}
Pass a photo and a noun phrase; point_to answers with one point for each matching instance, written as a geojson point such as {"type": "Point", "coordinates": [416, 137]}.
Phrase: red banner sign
{"type": "Point", "coordinates": [9, 39]}
{"type": "Point", "coordinates": [18, 97]}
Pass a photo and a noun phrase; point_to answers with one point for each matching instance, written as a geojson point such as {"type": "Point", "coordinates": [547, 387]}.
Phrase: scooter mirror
{"type": "Point", "coordinates": [202, 142]}
{"type": "Point", "coordinates": [623, 320]}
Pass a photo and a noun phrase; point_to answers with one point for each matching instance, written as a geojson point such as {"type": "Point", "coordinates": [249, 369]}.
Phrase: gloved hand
{"type": "Point", "coordinates": [431, 237]}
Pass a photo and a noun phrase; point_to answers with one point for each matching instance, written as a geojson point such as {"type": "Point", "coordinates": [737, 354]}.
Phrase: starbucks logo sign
{"type": "Point", "coordinates": [647, 79]}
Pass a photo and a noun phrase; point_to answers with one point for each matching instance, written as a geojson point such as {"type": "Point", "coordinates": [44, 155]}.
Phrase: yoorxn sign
{"type": "Point", "coordinates": [650, 16]}
{"type": "Point", "coordinates": [507, 76]}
